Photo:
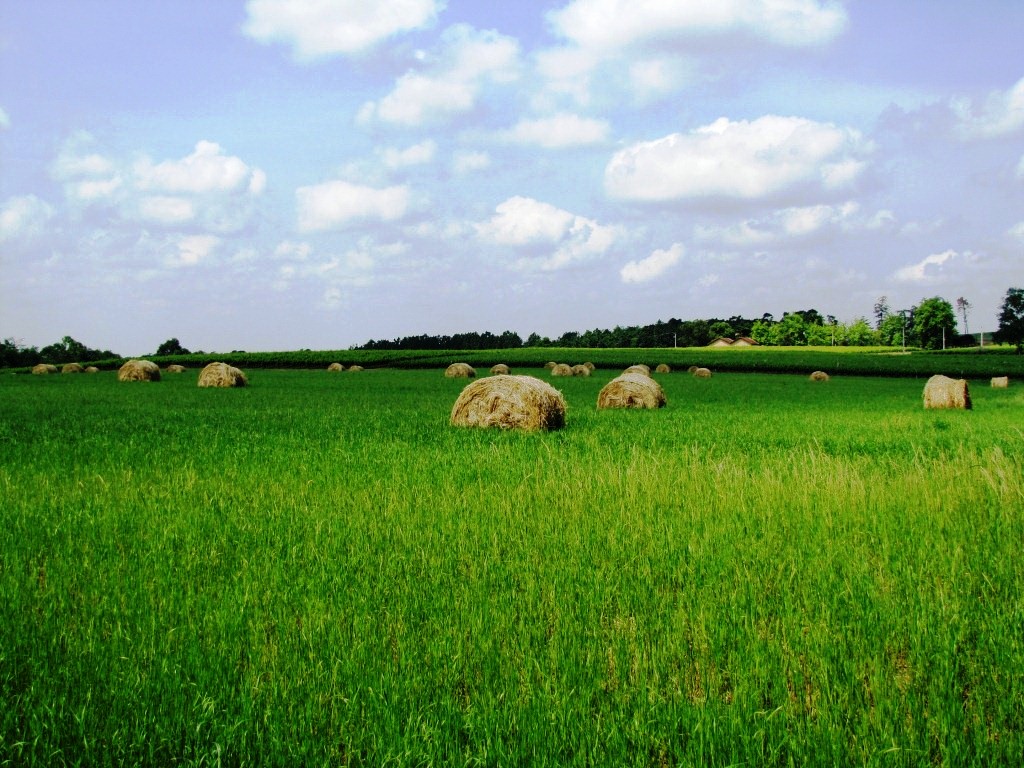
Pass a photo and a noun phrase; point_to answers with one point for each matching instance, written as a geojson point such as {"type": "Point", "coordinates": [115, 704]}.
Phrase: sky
{"type": "Point", "coordinates": [286, 174]}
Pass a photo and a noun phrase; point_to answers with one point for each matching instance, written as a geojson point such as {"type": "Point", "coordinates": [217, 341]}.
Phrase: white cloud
{"type": "Point", "coordinates": [615, 24]}
{"type": "Point", "coordinates": [791, 223]}
{"type": "Point", "coordinates": [469, 161]}
{"type": "Point", "coordinates": [1017, 231]}
{"type": "Point", "coordinates": [5, 121]}
{"type": "Point", "coordinates": [934, 267]}
{"type": "Point", "coordinates": [1001, 114]}
{"type": "Point", "coordinates": [193, 249]}
{"type": "Point", "coordinates": [558, 131]}
{"type": "Point", "coordinates": [166, 210]}
{"type": "Point", "coordinates": [23, 217]}
{"type": "Point", "coordinates": [651, 267]}
{"type": "Point", "coordinates": [206, 171]}
{"type": "Point", "coordinates": [321, 28]}
{"type": "Point", "coordinates": [417, 154]}
{"type": "Point", "coordinates": [452, 83]}
{"type": "Point", "coordinates": [335, 204]}
{"type": "Point", "coordinates": [744, 160]}
{"type": "Point", "coordinates": [549, 237]}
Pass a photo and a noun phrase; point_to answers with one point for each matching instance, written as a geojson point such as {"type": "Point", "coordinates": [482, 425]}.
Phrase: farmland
{"type": "Point", "coordinates": [319, 570]}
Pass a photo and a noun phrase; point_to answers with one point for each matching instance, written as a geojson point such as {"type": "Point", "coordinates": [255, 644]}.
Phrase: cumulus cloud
{"type": "Point", "coordinates": [193, 249]}
{"type": "Point", "coordinates": [1001, 113]}
{"type": "Point", "coordinates": [654, 265]}
{"type": "Point", "coordinates": [1017, 231]}
{"type": "Point", "coordinates": [468, 161]}
{"type": "Point", "coordinates": [548, 237]}
{"type": "Point", "coordinates": [742, 160]}
{"type": "Point", "coordinates": [321, 28]}
{"type": "Point", "coordinates": [451, 83]}
{"type": "Point", "coordinates": [933, 268]}
{"type": "Point", "coordinates": [23, 217]}
{"type": "Point", "coordinates": [5, 121]}
{"type": "Point", "coordinates": [417, 154]}
{"type": "Point", "coordinates": [336, 204]}
{"type": "Point", "coordinates": [558, 131]}
{"type": "Point", "coordinates": [207, 170]}
{"type": "Point", "coordinates": [792, 223]}
{"type": "Point", "coordinates": [615, 24]}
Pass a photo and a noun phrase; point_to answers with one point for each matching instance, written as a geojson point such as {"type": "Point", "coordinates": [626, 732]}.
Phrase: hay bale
{"type": "Point", "coordinates": [509, 402]}
{"type": "Point", "coordinates": [43, 369]}
{"type": "Point", "coordinates": [702, 373]}
{"type": "Point", "coordinates": [72, 368]}
{"type": "Point", "coordinates": [561, 369]}
{"type": "Point", "coordinates": [222, 375]}
{"type": "Point", "coordinates": [692, 369]}
{"type": "Point", "coordinates": [944, 392]}
{"type": "Point", "coordinates": [1001, 382]}
{"type": "Point", "coordinates": [631, 390]}
{"type": "Point", "coordinates": [639, 368]}
{"type": "Point", "coordinates": [139, 370]}
{"type": "Point", "coordinates": [175, 368]}
{"type": "Point", "coordinates": [591, 366]}
{"type": "Point", "coordinates": [354, 368]}
{"type": "Point", "coordinates": [580, 370]}
{"type": "Point", "coordinates": [335, 367]}
{"type": "Point", "coordinates": [549, 366]}
{"type": "Point", "coordinates": [500, 370]}
{"type": "Point", "coordinates": [819, 376]}
{"type": "Point", "coordinates": [662, 368]}
{"type": "Point", "coordinates": [460, 371]}
{"type": "Point", "coordinates": [92, 369]}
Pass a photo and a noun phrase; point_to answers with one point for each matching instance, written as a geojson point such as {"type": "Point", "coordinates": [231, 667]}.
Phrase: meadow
{"type": "Point", "coordinates": [319, 570]}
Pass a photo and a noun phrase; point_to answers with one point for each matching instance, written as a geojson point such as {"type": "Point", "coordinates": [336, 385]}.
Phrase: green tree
{"type": "Point", "coordinates": [1011, 319]}
{"type": "Point", "coordinates": [720, 329]}
{"type": "Point", "coordinates": [882, 311]}
{"type": "Point", "coordinates": [934, 322]}
{"type": "Point", "coordinates": [172, 347]}
{"type": "Point", "coordinates": [894, 330]}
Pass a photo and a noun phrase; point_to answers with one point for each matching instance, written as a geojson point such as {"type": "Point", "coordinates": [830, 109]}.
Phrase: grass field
{"type": "Point", "coordinates": [318, 570]}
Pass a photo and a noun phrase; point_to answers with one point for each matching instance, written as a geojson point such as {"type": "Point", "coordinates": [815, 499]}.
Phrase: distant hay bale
{"type": "Point", "coordinates": [42, 369]}
{"type": "Point", "coordinates": [580, 370]}
{"type": "Point", "coordinates": [639, 368]}
{"type": "Point", "coordinates": [139, 370]}
{"type": "Point", "coordinates": [692, 369]}
{"type": "Point", "coordinates": [354, 368]}
{"type": "Point", "coordinates": [662, 368]}
{"type": "Point", "coordinates": [549, 366]}
{"type": "Point", "coordinates": [1000, 382]}
{"type": "Point", "coordinates": [561, 369]}
{"type": "Point", "coordinates": [92, 369]}
{"type": "Point", "coordinates": [819, 376]}
{"type": "Point", "coordinates": [702, 373]}
{"type": "Point", "coordinates": [591, 366]}
{"type": "Point", "coordinates": [222, 375]}
{"type": "Point", "coordinates": [631, 390]}
{"type": "Point", "coordinates": [500, 369]}
{"type": "Point", "coordinates": [175, 368]}
{"type": "Point", "coordinates": [944, 392]}
{"type": "Point", "coordinates": [460, 371]}
{"type": "Point", "coordinates": [335, 367]}
{"type": "Point", "coordinates": [72, 368]}
{"type": "Point", "coordinates": [509, 402]}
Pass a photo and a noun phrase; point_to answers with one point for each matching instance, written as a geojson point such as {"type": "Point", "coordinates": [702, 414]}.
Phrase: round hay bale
{"type": "Point", "coordinates": [639, 368]}
{"type": "Point", "coordinates": [354, 368]}
{"type": "Point", "coordinates": [662, 368]}
{"type": "Point", "coordinates": [139, 370]}
{"type": "Point", "coordinates": [92, 369]}
{"type": "Point", "coordinates": [944, 392]}
{"type": "Point", "coordinates": [509, 402]}
{"type": "Point", "coordinates": [561, 369]}
{"type": "Point", "coordinates": [549, 366]}
{"type": "Point", "coordinates": [460, 371]}
{"type": "Point", "coordinates": [175, 368]}
{"type": "Point", "coordinates": [702, 373]}
{"type": "Point", "coordinates": [500, 370]}
{"type": "Point", "coordinates": [1001, 382]}
{"type": "Point", "coordinates": [692, 369]}
{"type": "Point", "coordinates": [819, 376]}
{"type": "Point", "coordinates": [43, 369]}
{"type": "Point", "coordinates": [222, 375]}
{"type": "Point", "coordinates": [631, 390]}
{"type": "Point", "coordinates": [335, 367]}
{"type": "Point", "coordinates": [580, 370]}
{"type": "Point", "coordinates": [72, 368]}
{"type": "Point", "coordinates": [591, 366]}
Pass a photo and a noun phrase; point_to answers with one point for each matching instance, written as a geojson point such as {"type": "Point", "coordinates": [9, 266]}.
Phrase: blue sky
{"type": "Point", "coordinates": [276, 174]}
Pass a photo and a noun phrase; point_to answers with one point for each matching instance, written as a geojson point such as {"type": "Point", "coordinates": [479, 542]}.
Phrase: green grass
{"type": "Point", "coordinates": [318, 570]}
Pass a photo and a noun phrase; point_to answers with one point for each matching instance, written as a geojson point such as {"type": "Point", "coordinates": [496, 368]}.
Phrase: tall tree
{"type": "Point", "coordinates": [882, 311]}
{"type": "Point", "coordinates": [934, 322]}
{"type": "Point", "coordinates": [963, 306]}
{"type": "Point", "coordinates": [1011, 319]}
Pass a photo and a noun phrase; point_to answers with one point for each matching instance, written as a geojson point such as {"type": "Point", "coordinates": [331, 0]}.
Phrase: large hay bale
{"type": "Point", "coordinates": [692, 369]}
{"type": "Point", "coordinates": [335, 367]}
{"type": "Point", "coordinates": [139, 370]}
{"type": "Point", "coordinates": [944, 392]}
{"type": "Point", "coordinates": [561, 369]}
{"type": "Point", "coordinates": [175, 368]}
{"type": "Point", "coordinates": [222, 375]}
{"type": "Point", "coordinates": [500, 370]}
{"type": "Point", "coordinates": [72, 368]}
{"type": "Point", "coordinates": [1001, 382]}
{"type": "Point", "coordinates": [580, 370]}
{"type": "Point", "coordinates": [92, 369]}
{"type": "Point", "coordinates": [702, 373]}
{"type": "Point", "coordinates": [639, 368]}
{"type": "Point", "coordinates": [819, 376]}
{"type": "Point", "coordinates": [43, 369]}
{"type": "Point", "coordinates": [509, 402]}
{"type": "Point", "coordinates": [354, 368]}
{"type": "Point", "coordinates": [591, 366]}
{"type": "Point", "coordinates": [663, 368]}
{"type": "Point", "coordinates": [549, 366]}
{"type": "Point", "coordinates": [631, 390]}
{"type": "Point", "coordinates": [460, 371]}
